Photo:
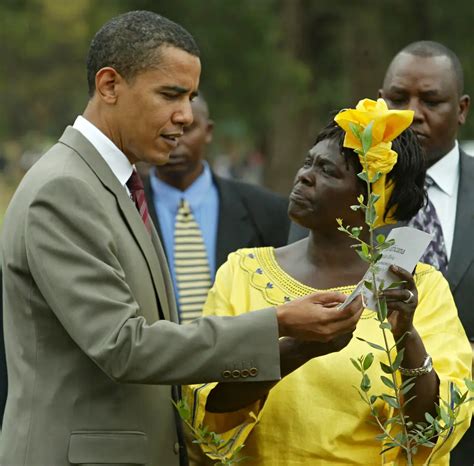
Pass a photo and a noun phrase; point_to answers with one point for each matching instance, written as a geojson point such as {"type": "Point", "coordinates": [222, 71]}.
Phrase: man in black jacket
{"type": "Point", "coordinates": [229, 214]}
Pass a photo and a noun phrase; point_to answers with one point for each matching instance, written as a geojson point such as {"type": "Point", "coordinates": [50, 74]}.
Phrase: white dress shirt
{"type": "Point", "coordinates": [113, 156]}
{"type": "Point", "coordinates": [444, 193]}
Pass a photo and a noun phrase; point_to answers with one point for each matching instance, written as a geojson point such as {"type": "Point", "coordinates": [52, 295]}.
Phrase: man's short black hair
{"type": "Point", "coordinates": [428, 48]}
{"type": "Point", "coordinates": [408, 174]}
{"type": "Point", "coordinates": [130, 43]}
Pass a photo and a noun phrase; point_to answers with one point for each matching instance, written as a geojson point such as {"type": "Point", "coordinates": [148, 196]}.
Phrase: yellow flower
{"type": "Point", "coordinates": [380, 158]}
{"type": "Point", "coordinates": [387, 124]}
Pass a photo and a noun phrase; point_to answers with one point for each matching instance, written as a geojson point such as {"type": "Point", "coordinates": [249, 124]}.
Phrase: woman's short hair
{"type": "Point", "coordinates": [408, 174]}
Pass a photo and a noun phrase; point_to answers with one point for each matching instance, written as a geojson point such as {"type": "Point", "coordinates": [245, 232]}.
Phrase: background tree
{"type": "Point", "coordinates": [272, 69]}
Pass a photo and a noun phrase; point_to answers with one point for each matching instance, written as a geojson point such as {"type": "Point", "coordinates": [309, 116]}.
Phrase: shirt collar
{"type": "Point", "coordinates": [194, 194]}
{"type": "Point", "coordinates": [445, 172]}
{"type": "Point", "coordinates": [113, 156]}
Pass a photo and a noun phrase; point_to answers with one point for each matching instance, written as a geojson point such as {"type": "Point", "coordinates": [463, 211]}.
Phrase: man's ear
{"type": "Point", "coordinates": [209, 131]}
{"type": "Point", "coordinates": [464, 103]}
{"type": "Point", "coordinates": [106, 82]}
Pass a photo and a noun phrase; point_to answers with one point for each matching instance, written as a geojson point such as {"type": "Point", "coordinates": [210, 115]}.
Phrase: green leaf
{"type": "Point", "coordinates": [365, 383]}
{"type": "Point", "coordinates": [374, 198]}
{"type": "Point", "coordinates": [355, 128]}
{"type": "Point", "coordinates": [373, 345]}
{"type": "Point", "coordinates": [363, 176]}
{"type": "Point", "coordinates": [469, 384]}
{"type": "Point", "coordinates": [376, 177]}
{"type": "Point", "coordinates": [391, 400]}
{"type": "Point", "coordinates": [362, 255]}
{"type": "Point", "coordinates": [366, 137]}
{"type": "Point", "coordinates": [396, 284]}
{"type": "Point", "coordinates": [429, 418]}
{"type": "Point", "coordinates": [356, 364]}
{"type": "Point", "coordinates": [387, 369]}
{"type": "Point", "coordinates": [365, 249]}
{"type": "Point", "coordinates": [407, 382]}
{"type": "Point", "coordinates": [387, 382]}
{"type": "Point", "coordinates": [406, 389]}
{"type": "Point", "coordinates": [380, 239]}
{"type": "Point", "coordinates": [360, 198]}
{"type": "Point", "coordinates": [370, 215]}
{"type": "Point", "coordinates": [398, 359]}
{"type": "Point", "coordinates": [356, 231]}
{"type": "Point", "coordinates": [368, 285]}
{"type": "Point", "coordinates": [386, 325]}
{"type": "Point", "coordinates": [382, 310]}
{"type": "Point", "coordinates": [368, 360]}
{"type": "Point", "coordinates": [355, 207]}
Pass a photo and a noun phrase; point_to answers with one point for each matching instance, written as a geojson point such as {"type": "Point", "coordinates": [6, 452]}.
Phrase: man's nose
{"type": "Point", "coordinates": [184, 115]}
{"type": "Point", "coordinates": [415, 105]}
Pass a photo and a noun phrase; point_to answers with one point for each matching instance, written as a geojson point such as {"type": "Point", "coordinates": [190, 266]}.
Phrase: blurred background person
{"type": "Point", "coordinates": [201, 217]}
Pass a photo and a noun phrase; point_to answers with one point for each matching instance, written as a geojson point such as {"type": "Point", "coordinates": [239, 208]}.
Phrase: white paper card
{"type": "Point", "coordinates": [410, 244]}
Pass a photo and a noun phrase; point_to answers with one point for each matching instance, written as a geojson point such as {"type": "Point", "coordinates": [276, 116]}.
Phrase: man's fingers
{"type": "Point", "coordinates": [328, 298]}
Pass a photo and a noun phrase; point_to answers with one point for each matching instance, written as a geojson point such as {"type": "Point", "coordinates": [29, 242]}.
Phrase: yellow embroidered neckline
{"type": "Point", "coordinates": [268, 276]}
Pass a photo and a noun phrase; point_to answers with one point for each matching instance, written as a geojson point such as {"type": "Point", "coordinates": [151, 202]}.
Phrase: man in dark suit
{"type": "Point", "coordinates": [91, 335]}
{"type": "Point", "coordinates": [427, 77]}
{"type": "Point", "coordinates": [230, 214]}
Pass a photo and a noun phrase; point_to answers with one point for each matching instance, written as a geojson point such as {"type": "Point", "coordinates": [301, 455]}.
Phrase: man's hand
{"type": "Point", "coordinates": [317, 318]}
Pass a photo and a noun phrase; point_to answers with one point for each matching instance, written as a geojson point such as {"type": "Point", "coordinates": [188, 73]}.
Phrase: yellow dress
{"type": "Point", "coordinates": [314, 416]}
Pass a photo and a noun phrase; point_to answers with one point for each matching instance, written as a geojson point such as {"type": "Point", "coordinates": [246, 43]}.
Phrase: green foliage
{"type": "Point", "coordinates": [214, 445]}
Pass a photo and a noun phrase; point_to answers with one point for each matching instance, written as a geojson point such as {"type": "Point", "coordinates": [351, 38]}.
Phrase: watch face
{"type": "Point", "coordinates": [428, 364]}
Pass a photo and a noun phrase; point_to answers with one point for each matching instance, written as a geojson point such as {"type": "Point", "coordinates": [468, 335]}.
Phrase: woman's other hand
{"type": "Point", "coordinates": [401, 303]}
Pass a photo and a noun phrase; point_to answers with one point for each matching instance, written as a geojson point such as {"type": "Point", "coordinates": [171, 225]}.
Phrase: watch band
{"type": "Point", "coordinates": [424, 369]}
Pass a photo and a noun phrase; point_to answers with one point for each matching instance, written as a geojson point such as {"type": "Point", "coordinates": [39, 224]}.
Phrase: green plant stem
{"type": "Point", "coordinates": [372, 251]}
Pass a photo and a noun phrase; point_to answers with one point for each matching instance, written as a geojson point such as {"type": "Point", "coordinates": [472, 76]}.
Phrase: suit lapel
{"type": "Point", "coordinates": [235, 228]}
{"type": "Point", "coordinates": [462, 253]}
{"type": "Point", "coordinates": [76, 141]}
{"type": "Point", "coordinates": [151, 205]}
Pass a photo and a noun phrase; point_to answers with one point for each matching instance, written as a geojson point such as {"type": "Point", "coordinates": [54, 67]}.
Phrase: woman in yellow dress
{"type": "Point", "coordinates": [314, 416]}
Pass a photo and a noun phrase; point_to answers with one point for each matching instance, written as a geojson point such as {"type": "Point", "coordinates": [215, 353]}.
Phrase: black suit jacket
{"type": "Point", "coordinates": [460, 274]}
{"type": "Point", "coordinates": [249, 216]}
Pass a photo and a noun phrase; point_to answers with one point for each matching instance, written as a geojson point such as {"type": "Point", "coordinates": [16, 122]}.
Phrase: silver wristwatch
{"type": "Point", "coordinates": [424, 369]}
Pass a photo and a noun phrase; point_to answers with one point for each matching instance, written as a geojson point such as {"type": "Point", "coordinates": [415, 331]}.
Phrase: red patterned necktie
{"type": "Point", "coordinates": [137, 193]}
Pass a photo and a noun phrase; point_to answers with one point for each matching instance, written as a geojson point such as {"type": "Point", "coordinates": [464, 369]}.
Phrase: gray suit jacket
{"type": "Point", "coordinates": [461, 264]}
{"type": "Point", "coordinates": [90, 338]}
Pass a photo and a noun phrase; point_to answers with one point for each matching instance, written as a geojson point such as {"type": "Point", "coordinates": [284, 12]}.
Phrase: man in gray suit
{"type": "Point", "coordinates": [89, 314]}
{"type": "Point", "coordinates": [427, 77]}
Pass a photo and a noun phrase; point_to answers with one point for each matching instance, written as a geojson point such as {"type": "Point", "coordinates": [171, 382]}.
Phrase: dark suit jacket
{"type": "Point", "coordinates": [249, 216]}
{"type": "Point", "coordinates": [461, 264]}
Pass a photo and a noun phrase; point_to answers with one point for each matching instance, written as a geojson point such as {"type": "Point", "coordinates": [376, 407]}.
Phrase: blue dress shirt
{"type": "Point", "coordinates": [203, 199]}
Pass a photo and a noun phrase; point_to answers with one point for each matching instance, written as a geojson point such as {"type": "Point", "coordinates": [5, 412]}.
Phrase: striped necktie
{"type": "Point", "coordinates": [137, 194]}
{"type": "Point", "coordinates": [427, 220]}
{"type": "Point", "coordinates": [191, 265]}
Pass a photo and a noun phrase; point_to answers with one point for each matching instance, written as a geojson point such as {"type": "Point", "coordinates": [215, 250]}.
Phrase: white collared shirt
{"type": "Point", "coordinates": [113, 156]}
{"type": "Point", "coordinates": [444, 193]}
